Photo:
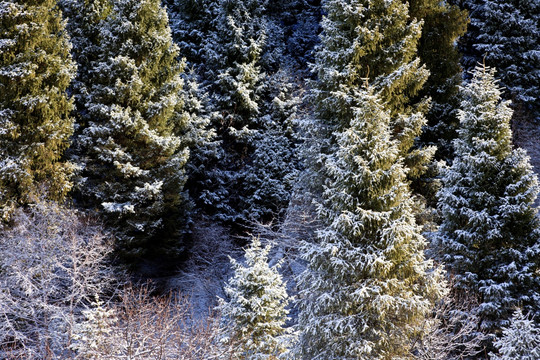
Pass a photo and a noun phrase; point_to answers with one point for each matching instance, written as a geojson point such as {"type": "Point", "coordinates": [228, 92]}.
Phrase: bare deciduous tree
{"type": "Point", "coordinates": [53, 261]}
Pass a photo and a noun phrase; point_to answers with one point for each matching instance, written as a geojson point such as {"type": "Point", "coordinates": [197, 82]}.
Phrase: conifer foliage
{"type": "Point", "coordinates": [367, 289]}
{"type": "Point", "coordinates": [35, 123]}
{"type": "Point", "coordinates": [443, 25]}
{"type": "Point", "coordinates": [375, 39]}
{"type": "Point", "coordinates": [520, 340]}
{"type": "Point", "coordinates": [256, 308]}
{"type": "Point", "coordinates": [132, 157]}
{"type": "Point", "coordinates": [507, 34]}
{"type": "Point", "coordinates": [490, 235]}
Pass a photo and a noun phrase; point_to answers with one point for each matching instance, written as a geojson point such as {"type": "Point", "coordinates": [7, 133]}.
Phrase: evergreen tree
{"type": "Point", "coordinates": [235, 77]}
{"type": "Point", "coordinates": [35, 126]}
{"type": "Point", "coordinates": [443, 25]}
{"type": "Point", "coordinates": [272, 171]}
{"type": "Point", "coordinates": [375, 39]}
{"type": "Point", "coordinates": [520, 341]}
{"type": "Point", "coordinates": [132, 157]}
{"type": "Point", "coordinates": [507, 34]}
{"type": "Point", "coordinates": [192, 22]}
{"type": "Point", "coordinates": [490, 235]}
{"type": "Point", "coordinates": [255, 309]}
{"type": "Point", "coordinates": [368, 287]}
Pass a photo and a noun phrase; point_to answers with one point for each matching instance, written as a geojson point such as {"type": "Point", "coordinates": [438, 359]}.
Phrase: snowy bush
{"type": "Point", "coordinates": [53, 261]}
{"type": "Point", "coordinates": [143, 326]}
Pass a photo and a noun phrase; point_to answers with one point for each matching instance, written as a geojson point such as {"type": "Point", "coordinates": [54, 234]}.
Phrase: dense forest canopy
{"type": "Point", "coordinates": [342, 171]}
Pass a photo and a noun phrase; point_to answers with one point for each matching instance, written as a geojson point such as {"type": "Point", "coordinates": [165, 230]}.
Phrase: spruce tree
{"type": "Point", "coordinates": [368, 287]}
{"type": "Point", "coordinates": [255, 311]}
{"type": "Point", "coordinates": [443, 25]}
{"type": "Point", "coordinates": [507, 34]}
{"type": "Point", "coordinates": [520, 340]}
{"type": "Point", "coordinates": [128, 145]}
{"type": "Point", "coordinates": [374, 39]}
{"type": "Point", "coordinates": [35, 124]}
{"type": "Point", "coordinates": [490, 235]}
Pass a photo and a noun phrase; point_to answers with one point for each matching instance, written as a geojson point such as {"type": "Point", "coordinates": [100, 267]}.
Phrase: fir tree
{"type": "Point", "coordinates": [507, 34]}
{"type": "Point", "coordinates": [256, 306]}
{"type": "Point", "coordinates": [368, 287]}
{"type": "Point", "coordinates": [490, 235]}
{"type": "Point", "coordinates": [35, 126]}
{"type": "Point", "coordinates": [520, 341]}
{"type": "Point", "coordinates": [375, 39]}
{"type": "Point", "coordinates": [132, 157]}
{"type": "Point", "coordinates": [443, 25]}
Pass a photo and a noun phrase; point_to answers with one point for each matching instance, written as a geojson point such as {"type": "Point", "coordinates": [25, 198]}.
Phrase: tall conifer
{"type": "Point", "coordinates": [443, 25]}
{"type": "Point", "coordinates": [35, 123]}
{"type": "Point", "coordinates": [366, 291]}
{"type": "Point", "coordinates": [490, 232]}
{"type": "Point", "coordinates": [375, 39]}
{"type": "Point", "coordinates": [128, 145]}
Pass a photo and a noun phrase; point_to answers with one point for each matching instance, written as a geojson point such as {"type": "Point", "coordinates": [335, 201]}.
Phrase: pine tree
{"type": "Point", "coordinates": [520, 341]}
{"type": "Point", "coordinates": [490, 234]}
{"type": "Point", "coordinates": [132, 157]}
{"type": "Point", "coordinates": [378, 40]}
{"type": "Point", "coordinates": [35, 124]}
{"type": "Point", "coordinates": [443, 25]}
{"type": "Point", "coordinates": [368, 287]}
{"type": "Point", "coordinates": [506, 33]}
{"type": "Point", "coordinates": [256, 308]}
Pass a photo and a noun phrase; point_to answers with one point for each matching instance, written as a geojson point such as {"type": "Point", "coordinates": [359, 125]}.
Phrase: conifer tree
{"type": "Point", "coordinates": [520, 340]}
{"type": "Point", "coordinates": [132, 157]}
{"type": "Point", "coordinates": [443, 25]}
{"type": "Point", "coordinates": [234, 69]}
{"type": "Point", "coordinates": [375, 39]}
{"type": "Point", "coordinates": [507, 34]}
{"type": "Point", "coordinates": [35, 124]}
{"type": "Point", "coordinates": [490, 234]}
{"type": "Point", "coordinates": [256, 308]}
{"type": "Point", "coordinates": [368, 287]}
{"type": "Point", "coordinates": [192, 22]}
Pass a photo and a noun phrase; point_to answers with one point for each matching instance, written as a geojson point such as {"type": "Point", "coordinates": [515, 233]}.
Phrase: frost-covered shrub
{"type": "Point", "coordinates": [143, 326]}
{"type": "Point", "coordinates": [255, 311]}
{"type": "Point", "coordinates": [53, 261]}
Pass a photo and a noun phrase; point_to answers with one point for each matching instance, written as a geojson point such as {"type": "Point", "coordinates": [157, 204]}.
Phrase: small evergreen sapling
{"type": "Point", "coordinates": [520, 340]}
{"type": "Point", "coordinates": [490, 232]}
{"type": "Point", "coordinates": [256, 306]}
